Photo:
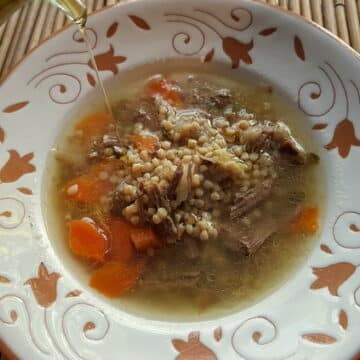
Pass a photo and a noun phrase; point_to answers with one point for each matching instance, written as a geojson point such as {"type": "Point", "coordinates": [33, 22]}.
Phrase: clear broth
{"type": "Point", "coordinates": [247, 280]}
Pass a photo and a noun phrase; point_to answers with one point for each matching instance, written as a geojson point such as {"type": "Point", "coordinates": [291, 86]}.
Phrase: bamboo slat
{"type": "Point", "coordinates": [49, 22]}
{"type": "Point", "coordinates": [342, 25]}
{"type": "Point", "coordinates": [15, 39]}
{"type": "Point", "coordinates": [328, 8]}
{"type": "Point", "coordinates": [37, 31]}
{"type": "Point", "coordinates": [294, 5]}
{"type": "Point", "coordinates": [353, 24]}
{"type": "Point", "coordinates": [99, 4]}
{"type": "Point", "coordinates": [317, 14]}
{"type": "Point", "coordinates": [306, 9]}
{"type": "Point", "coordinates": [283, 4]}
{"type": "Point", "coordinates": [7, 40]}
{"type": "Point", "coordinates": [59, 21]}
{"type": "Point", "coordinates": [22, 46]}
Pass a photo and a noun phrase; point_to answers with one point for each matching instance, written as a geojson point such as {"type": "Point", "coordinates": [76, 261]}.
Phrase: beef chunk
{"type": "Point", "coordinates": [157, 197]}
{"type": "Point", "coordinates": [267, 136]}
{"type": "Point", "coordinates": [203, 95]}
{"type": "Point", "coordinates": [250, 199]}
{"type": "Point", "coordinates": [146, 112]}
{"type": "Point", "coordinates": [117, 205]}
{"type": "Point", "coordinates": [175, 182]}
{"type": "Point", "coordinates": [221, 98]}
{"type": "Point", "coordinates": [167, 230]}
{"type": "Point", "coordinates": [108, 146]}
{"type": "Point", "coordinates": [142, 110]}
{"type": "Point", "coordinates": [154, 195]}
{"type": "Point", "coordinates": [247, 239]}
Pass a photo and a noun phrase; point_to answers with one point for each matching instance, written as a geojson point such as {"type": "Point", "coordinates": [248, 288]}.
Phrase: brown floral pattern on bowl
{"type": "Point", "coordinates": [45, 313]}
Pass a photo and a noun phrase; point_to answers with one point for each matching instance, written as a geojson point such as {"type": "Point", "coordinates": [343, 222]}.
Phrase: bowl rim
{"type": "Point", "coordinates": [287, 12]}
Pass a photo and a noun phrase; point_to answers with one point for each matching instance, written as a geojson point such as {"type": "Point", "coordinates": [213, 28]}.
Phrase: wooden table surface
{"type": "Point", "coordinates": [38, 19]}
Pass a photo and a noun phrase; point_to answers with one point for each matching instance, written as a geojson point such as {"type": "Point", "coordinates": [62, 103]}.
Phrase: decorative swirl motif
{"type": "Point", "coordinates": [194, 19]}
{"type": "Point", "coordinates": [235, 49]}
{"type": "Point", "coordinates": [346, 230]}
{"type": "Point", "coordinates": [356, 89]}
{"type": "Point", "coordinates": [95, 328]}
{"type": "Point", "coordinates": [237, 14]}
{"type": "Point", "coordinates": [12, 213]}
{"type": "Point", "coordinates": [69, 89]}
{"type": "Point", "coordinates": [58, 92]}
{"type": "Point", "coordinates": [357, 296]}
{"type": "Point", "coordinates": [248, 341]}
{"type": "Point", "coordinates": [344, 136]}
{"type": "Point", "coordinates": [50, 333]}
{"type": "Point", "coordinates": [78, 38]}
{"type": "Point", "coordinates": [347, 104]}
{"type": "Point", "coordinates": [54, 67]}
{"type": "Point", "coordinates": [313, 90]}
{"type": "Point", "coordinates": [183, 39]}
{"type": "Point", "coordinates": [17, 305]}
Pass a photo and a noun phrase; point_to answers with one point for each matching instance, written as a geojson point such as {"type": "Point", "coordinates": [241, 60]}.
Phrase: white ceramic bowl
{"type": "Point", "coordinates": [46, 313]}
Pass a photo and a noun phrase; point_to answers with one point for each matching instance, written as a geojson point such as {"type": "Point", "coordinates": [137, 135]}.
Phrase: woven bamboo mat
{"type": "Point", "coordinates": [38, 19]}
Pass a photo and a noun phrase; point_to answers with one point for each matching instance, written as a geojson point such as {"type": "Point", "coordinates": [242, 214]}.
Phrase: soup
{"type": "Point", "coordinates": [200, 197]}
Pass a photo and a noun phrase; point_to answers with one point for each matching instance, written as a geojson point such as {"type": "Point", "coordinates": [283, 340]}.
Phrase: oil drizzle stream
{"type": "Point", "coordinates": [99, 81]}
{"type": "Point", "coordinates": [93, 63]}
{"type": "Point", "coordinates": [76, 11]}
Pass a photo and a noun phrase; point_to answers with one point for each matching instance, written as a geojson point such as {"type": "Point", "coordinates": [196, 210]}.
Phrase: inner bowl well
{"type": "Point", "coordinates": [270, 275]}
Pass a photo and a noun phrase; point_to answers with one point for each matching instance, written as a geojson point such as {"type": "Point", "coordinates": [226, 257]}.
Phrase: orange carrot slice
{"type": "Point", "coordinates": [87, 240]}
{"type": "Point", "coordinates": [89, 187]}
{"type": "Point", "coordinates": [148, 143]}
{"type": "Point", "coordinates": [168, 90]}
{"type": "Point", "coordinates": [144, 238]}
{"type": "Point", "coordinates": [115, 279]}
{"type": "Point", "coordinates": [306, 221]}
{"type": "Point", "coordinates": [95, 124]}
{"type": "Point", "coordinates": [121, 247]}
